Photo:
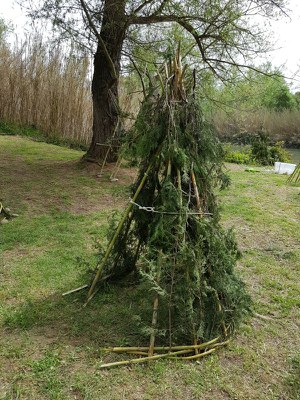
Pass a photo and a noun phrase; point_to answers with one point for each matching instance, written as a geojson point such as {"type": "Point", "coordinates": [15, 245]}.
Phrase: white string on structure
{"type": "Point", "coordinates": [152, 209]}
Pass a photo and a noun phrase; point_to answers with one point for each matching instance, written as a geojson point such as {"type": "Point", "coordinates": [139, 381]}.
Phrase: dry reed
{"type": "Point", "coordinates": [43, 87]}
{"type": "Point", "coordinates": [280, 126]}
{"type": "Point", "coordinates": [48, 88]}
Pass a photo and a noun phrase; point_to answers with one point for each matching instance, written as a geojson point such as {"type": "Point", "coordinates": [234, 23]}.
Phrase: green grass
{"type": "Point", "coordinates": [50, 345]}
{"type": "Point", "coordinates": [12, 129]}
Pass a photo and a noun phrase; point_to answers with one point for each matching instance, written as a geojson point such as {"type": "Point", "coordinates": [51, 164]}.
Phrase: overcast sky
{"type": "Point", "coordinates": [285, 34]}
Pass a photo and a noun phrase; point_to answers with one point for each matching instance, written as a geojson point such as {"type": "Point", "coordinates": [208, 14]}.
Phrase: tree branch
{"type": "Point", "coordinates": [141, 6]}
{"type": "Point", "coordinates": [161, 7]}
{"type": "Point", "coordinates": [155, 19]}
{"type": "Point", "coordinates": [139, 74]}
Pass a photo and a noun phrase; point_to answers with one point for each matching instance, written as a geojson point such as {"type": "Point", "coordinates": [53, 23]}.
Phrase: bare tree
{"type": "Point", "coordinates": [221, 29]}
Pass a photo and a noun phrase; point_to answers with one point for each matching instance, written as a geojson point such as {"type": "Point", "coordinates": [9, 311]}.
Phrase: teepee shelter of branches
{"type": "Point", "coordinates": [170, 233]}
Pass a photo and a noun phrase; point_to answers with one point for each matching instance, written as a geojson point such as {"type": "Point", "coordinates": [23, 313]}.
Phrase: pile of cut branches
{"type": "Point", "coordinates": [170, 234]}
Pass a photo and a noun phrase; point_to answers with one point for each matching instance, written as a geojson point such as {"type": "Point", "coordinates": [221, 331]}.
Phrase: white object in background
{"type": "Point", "coordinates": [284, 168]}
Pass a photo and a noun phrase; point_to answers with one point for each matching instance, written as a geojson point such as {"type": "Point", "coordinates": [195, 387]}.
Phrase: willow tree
{"type": "Point", "coordinates": [221, 29]}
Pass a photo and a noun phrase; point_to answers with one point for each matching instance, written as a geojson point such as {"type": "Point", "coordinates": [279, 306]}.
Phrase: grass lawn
{"type": "Point", "coordinates": [49, 344]}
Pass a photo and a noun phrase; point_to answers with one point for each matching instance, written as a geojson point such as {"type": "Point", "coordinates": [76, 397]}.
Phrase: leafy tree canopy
{"type": "Point", "coordinates": [254, 90]}
{"type": "Point", "coordinates": [223, 31]}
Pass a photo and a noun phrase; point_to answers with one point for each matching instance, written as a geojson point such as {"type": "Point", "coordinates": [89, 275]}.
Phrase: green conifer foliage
{"type": "Point", "coordinates": [171, 234]}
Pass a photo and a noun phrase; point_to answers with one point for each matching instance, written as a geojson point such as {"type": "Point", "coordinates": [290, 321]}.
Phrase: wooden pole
{"type": "Point", "coordinates": [212, 342]}
{"type": "Point", "coordinates": [144, 359]}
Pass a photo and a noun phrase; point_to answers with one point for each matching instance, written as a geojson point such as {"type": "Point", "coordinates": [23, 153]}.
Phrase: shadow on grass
{"type": "Point", "coordinates": [110, 319]}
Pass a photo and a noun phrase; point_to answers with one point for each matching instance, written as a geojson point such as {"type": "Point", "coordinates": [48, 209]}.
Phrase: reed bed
{"type": "Point", "coordinates": [48, 88]}
{"type": "Point", "coordinates": [280, 126]}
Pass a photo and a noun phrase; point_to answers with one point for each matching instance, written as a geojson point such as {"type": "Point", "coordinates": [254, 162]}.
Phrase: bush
{"type": "Point", "coordinates": [260, 152]}
{"type": "Point", "coordinates": [237, 158]}
{"type": "Point", "coordinates": [264, 154]}
{"type": "Point", "coordinates": [259, 149]}
{"type": "Point", "coordinates": [278, 153]}
{"type": "Point", "coordinates": [240, 155]}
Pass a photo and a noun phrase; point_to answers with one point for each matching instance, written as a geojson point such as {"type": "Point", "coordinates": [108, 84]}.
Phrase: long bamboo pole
{"type": "Point", "coordinates": [171, 356]}
{"type": "Point", "coordinates": [161, 348]}
{"type": "Point", "coordinates": [118, 230]}
{"type": "Point", "coordinates": [199, 355]}
{"type": "Point", "coordinates": [144, 359]}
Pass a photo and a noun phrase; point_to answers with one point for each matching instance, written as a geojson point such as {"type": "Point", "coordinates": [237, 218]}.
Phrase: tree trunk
{"type": "Point", "coordinates": [105, 84]}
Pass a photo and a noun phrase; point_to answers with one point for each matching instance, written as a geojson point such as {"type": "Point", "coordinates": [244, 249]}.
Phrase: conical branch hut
{"type": "Point", "coordinates": [170, 234]}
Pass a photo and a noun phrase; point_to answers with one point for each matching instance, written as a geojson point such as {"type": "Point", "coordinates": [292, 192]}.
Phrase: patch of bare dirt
{"type": "Point", "coordinates": [63, 185]}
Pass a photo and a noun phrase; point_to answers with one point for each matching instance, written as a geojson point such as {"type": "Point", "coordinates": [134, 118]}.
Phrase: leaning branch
{"type": "Point", "coordinates": [139, 74]}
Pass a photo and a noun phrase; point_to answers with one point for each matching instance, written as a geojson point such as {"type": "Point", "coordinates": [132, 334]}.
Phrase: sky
{"type": "Point", "coordinates": [284, 33]}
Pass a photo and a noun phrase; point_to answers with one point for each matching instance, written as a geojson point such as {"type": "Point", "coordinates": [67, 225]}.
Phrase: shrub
{"type": "Point", "coordinates": [278, 153]}
{"type": "Point", "coordinates": [264, 154]}
{"type": "Point", "coordinates": [240, 155]}
{"type": "Point", "coordinates": [259, 149]}
{"type": "Point", "coordinates": [237, 158]}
